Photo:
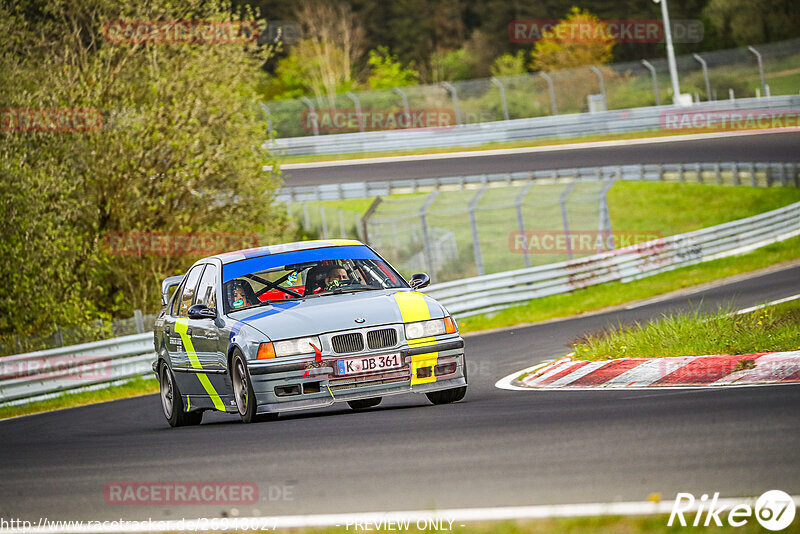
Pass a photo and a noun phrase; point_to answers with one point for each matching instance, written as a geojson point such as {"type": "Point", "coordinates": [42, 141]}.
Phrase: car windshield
{"type": "Point", "coordinates": [309, 279]}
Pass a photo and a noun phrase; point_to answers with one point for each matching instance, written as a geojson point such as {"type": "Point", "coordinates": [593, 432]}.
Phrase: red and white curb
{"type": "Point", "coordinates": [671, 372]}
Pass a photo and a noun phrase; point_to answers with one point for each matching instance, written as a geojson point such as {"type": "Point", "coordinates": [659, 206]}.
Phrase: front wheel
{"type": "Point", "coordinates": [243, 389]}
{"type": "Point", "coordinates": [447, 396]}
{"type": "Point", "coordinates": [363, 404]}
{"type": "Point", "coordinates": [172, 402]}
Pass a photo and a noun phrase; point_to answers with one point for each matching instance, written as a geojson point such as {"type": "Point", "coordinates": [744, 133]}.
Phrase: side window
{"type": "Point", "coordinates": [188, 290]}
{"type": "Point", "coordinates": [176, 299]}
{"type": "Point", "coordinates": [207, 289]}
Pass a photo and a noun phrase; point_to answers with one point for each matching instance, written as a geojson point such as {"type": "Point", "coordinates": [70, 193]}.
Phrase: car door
{"type": "Point", "coordinates": [184, 359]}
{"type": "Point", "coordinates": [205, 331]}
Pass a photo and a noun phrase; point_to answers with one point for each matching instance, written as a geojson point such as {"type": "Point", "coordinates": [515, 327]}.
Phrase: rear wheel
{"type": "Point", "coordinates": [363, 404]}
{"type": "Point", "coordinates": [172, 402]}
{"type": "Point", "coordinates": [243, 389]}
{"type": "Point", "coordinates": [447, 396]}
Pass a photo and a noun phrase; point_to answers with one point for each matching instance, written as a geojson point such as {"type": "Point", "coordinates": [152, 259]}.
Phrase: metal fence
{"type": "Point", "coordinates": [463, 226]}
{"type": "Point", "coordinates": [497, 291]}
{"type": "Point", "coordinates": [561, 126]}
{"type": "Point", "coordinates": [42, 374]}
{"type": "Point", "coordinates": [62, 337]}
{"type": "Point", "coordinates": [458, 234]}
{"type": "Point", "coordinates": [33, 376]}
{"type": "Point", "coordinates": [733, 73]}
{"type": "Point", "coordinates": [756, 174]}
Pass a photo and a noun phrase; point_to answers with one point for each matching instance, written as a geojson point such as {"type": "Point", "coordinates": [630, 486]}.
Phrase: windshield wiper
{"type": "Point", "coordinates": [341, 290]}
{"type": "Point", "coordinates": [272, 301]}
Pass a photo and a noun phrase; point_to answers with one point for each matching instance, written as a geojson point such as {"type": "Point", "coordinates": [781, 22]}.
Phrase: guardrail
{"type": "Point", "coordinates": [42, 374]}
{"type": "Point", "coordinates": [734, 173]}
{"type": "Point", "coordinates": [494, 292]}
{"type": "Point", "coordinates": [558, 126]}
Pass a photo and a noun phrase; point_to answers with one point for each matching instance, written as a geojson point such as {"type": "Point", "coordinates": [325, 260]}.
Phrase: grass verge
{"type": "Point", "coordinates": [132, 388]}
{"type": "Point", "coordinates": [553, 141]}
{"type": "Point", "coordinates": [770, 329]}
{"type": "Point", "coordinates": [617, 293]}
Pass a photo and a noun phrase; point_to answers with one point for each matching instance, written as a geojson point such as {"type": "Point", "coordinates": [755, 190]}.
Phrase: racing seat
{"type": "Point", "coordinates": [315, 279]}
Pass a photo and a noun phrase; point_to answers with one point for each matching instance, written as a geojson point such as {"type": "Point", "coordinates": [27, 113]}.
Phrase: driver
{"type": "Point", "coordinates": [335, 277]}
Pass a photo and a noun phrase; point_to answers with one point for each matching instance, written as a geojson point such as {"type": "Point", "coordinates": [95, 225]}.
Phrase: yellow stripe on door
{"type": "Point", "coordinates": [182, 327]}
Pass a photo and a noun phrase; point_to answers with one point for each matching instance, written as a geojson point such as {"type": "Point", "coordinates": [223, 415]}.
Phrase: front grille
{"type": "Point", "coordinates": [380, 339]}
{"type": "Point", "coordinates": [352, 342]}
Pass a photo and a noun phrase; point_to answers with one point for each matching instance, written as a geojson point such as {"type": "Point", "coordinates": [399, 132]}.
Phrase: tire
{"type": "Point", "coordinates": [447, 396]}
{"type": "Point", "coordinates": [243, 392]}
{"type": "Point", "coordinates": [363, 404]}
{"type": "Point", "coordinates": [172, 402]}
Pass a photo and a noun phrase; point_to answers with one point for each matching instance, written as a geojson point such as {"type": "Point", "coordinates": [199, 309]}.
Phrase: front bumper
{"type": "Point", "coordinates": [282, 387]}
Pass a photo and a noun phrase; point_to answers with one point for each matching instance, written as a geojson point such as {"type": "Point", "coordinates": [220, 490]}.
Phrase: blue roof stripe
{"type": "Point", "coordinates": [262, 263]}
{"type": "Point", "coordinates": [277, 307]}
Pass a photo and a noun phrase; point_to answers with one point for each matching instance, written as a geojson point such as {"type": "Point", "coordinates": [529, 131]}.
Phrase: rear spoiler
{"type": "Point", "coordinates": [166, 285]}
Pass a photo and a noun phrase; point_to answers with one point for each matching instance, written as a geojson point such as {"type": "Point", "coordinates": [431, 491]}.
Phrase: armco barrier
{"type": "Point", "coordinates": [558, 126]}
{"type": "Point", "coordinates": [42, 373]}
{"type": "Point", "coordinates": [734, 173]}
{"type": "Point", "coordinates": [39, 374]}
{"type": "Point", "coordinates": [500, 290]}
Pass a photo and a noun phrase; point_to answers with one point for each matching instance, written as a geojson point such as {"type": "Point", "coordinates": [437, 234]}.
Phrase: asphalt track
{"type": "Point", "coordinates": [762, 147]}
{"type": "Point", "coordinates": [495, 448]}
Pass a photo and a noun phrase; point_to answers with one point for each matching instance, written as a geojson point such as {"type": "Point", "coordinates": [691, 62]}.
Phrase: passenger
{"type": "Point", "coordinates": [241, 296]}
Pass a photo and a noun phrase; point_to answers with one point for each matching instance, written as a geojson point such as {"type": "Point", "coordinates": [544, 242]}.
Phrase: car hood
{"type": "Point", "coordinates": [330, 313]}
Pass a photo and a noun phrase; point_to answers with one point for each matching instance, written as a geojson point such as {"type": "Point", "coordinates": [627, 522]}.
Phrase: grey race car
{"type": "Point", "coordinates": [300, 325]}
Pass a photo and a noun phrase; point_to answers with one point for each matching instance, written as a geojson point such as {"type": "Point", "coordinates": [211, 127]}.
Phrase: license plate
{"type": "Point", "coordinates": [366, 364]}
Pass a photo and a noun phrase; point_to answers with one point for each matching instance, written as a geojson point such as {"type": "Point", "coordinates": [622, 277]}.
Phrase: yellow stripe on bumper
{"type": "Point", "coordinates": [423, 360]}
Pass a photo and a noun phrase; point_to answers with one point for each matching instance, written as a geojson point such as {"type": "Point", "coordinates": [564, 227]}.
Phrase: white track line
{"type": "Point", "coordinates": [528, 150]}
{"type": "Point", "coordinates": [779, 301]}
{"type": "Point", "coordinates": [426, 518]}
{"type": "Point", "coordinates": [506, 382]}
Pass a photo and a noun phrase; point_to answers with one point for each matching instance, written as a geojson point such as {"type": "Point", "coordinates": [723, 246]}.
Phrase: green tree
{"type": "Point", "coordinates": [746, 22]}
{"type": "Point", "coordinates": [562, 50]}
{"type": "Point", "coordinates": [178, 151]}
{"type": "Point", "coordinates": [509, 64]}
{"type": "Point", "coordinates": [387, 71]}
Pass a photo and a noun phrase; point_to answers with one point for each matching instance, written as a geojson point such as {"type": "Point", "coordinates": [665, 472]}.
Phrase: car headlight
{"type": "Point", "coordinates": [293, 347]}
{"type": "Point", "coordinates": [420, 329]}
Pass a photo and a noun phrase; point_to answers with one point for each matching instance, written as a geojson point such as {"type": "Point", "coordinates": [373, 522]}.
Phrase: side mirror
{"type": "Point", "coordinates": [201, 311]}
{"type": "Point", "coordinates": [419, 280]}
